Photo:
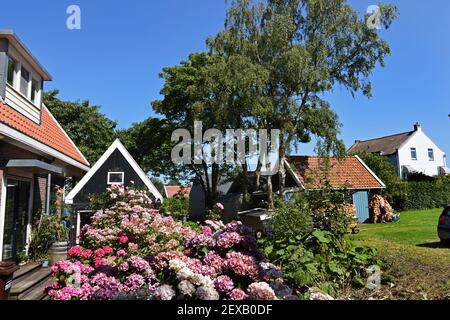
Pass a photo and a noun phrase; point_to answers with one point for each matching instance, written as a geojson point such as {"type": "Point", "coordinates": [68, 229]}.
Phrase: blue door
{"type": "Point", "coordinates": [361, 202]}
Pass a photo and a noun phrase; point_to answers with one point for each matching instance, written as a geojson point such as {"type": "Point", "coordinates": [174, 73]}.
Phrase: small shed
{"type": "Point", "coordinates": [115, 167]}
{"type": "Point", "coordinates": [350, 173]}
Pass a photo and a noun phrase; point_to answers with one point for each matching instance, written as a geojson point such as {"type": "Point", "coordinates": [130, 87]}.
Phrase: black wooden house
{"type": "Point", "coordinates": [115, 167]}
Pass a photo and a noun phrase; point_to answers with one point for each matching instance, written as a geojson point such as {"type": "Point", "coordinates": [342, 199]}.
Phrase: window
{"type": "Point", "coordinates": [413, 154]}
{"type": "Point", "coordinates": [34, 90]}
{"type": "Point", "coordinates": [11, 71]}
{"type": "Point", "coordinates": [25, 78]}
{"type": "Point", "coordinates": [430, 154]}
{"type": "Point", "coordinates": [115, 177]}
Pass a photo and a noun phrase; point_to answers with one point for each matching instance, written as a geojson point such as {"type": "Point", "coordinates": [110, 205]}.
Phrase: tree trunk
{"type": "Point", "coordinates": [281, 171]}
{"type": "Point", "coordinates": [245, 190]}
{"type": "Point", "coordinates": [258, 174]}
{"type": "Point", "coordinates": [269, 187]}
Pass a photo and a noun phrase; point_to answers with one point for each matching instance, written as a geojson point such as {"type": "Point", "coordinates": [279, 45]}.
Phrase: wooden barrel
{"type": "Point", "coordinates": [58, 251]}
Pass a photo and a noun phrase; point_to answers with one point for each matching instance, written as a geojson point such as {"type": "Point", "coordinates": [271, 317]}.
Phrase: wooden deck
{"type": "Point", "coordinates": [29, 282]}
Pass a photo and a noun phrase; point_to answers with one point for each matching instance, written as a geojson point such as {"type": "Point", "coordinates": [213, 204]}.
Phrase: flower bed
{"type": "Point", "coordinates": [132, 250]}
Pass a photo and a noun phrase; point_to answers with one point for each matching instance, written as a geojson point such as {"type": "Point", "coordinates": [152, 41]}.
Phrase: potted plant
{"type": "Point", "coordinates": [58, 249]}
{"type": "Point", "coordinates": [60, 234]}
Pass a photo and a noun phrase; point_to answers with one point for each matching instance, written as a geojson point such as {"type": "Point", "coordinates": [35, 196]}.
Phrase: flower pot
{"type": "Point", "coordinates": [58, 251]}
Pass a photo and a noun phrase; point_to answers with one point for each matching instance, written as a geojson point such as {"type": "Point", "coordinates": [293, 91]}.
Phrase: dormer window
{"type": "Point", "coordinates": [21, 83]}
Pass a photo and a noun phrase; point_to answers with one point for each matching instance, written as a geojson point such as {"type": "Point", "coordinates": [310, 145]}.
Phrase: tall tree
{"type": "Point", "coordinates": [191, 94]}
{"type": "Point", "coordinates": [307, 48]}
{"type": "Point", "coordinates": [89, 129]}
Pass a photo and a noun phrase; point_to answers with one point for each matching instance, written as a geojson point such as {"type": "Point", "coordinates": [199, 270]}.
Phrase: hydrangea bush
{"type": "Point", "coordinates": [131, 248]}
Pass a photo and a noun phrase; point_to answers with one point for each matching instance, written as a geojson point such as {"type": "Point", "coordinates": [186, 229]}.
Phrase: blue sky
{"type": "Point", "coordinates": [115, 59]}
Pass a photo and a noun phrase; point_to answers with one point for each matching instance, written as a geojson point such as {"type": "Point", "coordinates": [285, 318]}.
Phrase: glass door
{"type": "Point", "coordinates": [16, 218]}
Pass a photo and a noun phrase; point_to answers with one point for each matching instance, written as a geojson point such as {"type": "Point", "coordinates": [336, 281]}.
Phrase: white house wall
{"type": "Point", "coordinates": [422, 143]}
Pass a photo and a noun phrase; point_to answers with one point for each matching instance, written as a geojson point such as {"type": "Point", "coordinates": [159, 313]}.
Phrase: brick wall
{"type": "Point", "coordinates": [40, 192]}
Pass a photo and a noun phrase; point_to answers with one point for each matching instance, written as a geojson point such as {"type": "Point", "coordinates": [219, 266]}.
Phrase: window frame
{"type": "Point", "coordinates": [411, 153]}
{"type": "Point", "coordinates": [27, 82]}
{"type": "Point", "coordinates": [432, 154]}
{"type": "Point", "coordinates": [14, 74]}
{"type": "Point", "coordinates": [115, 183]}
{"type": "Point", "coordinates": [35, 92]}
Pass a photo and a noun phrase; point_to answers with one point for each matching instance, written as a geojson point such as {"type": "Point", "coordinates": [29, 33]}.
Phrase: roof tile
{"type": "Point", "coordinates": [347, 173]}
{"type": "Point", "coordinates": [48, 132]}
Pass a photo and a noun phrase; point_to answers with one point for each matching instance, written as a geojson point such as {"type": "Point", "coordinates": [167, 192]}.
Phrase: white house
{"type": "Point", "coordinates": [409, 152]}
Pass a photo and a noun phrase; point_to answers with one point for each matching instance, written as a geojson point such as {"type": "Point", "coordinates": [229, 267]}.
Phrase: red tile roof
{"type": "Point", "coordinates": [172, 191]}
{"type": "Point", "coordinates": [349, 172]}
{"type": "Point", "coordinates": [49, 132]}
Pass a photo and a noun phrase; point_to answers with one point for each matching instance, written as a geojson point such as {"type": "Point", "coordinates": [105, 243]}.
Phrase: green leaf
{"type": "Point", "coordinates": [321, 236]}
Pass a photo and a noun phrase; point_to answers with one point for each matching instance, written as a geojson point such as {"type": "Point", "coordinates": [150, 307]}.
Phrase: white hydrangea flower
{"type": "Point", "coordinates": [164, 292]}
{"type": "Point", "coordinates": [176, 264]}
{"type": "Point", "coordinates": [185, 274]}
{"type": "Point", "coordinates": [186, 288]}
{"type": "Point", "coordinates": [207, 293]}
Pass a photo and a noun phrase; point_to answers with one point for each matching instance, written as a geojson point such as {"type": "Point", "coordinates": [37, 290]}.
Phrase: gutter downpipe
{"type": "Point", "coordinates": [49, 184]}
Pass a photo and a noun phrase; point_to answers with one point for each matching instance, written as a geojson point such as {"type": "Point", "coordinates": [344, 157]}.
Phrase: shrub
{"type": "Point", "coordinates": [131, 251]}
{"type": "Point", "coordinates": [309, 243]}
{"type": "Point", "coordinates": [429, 194]}
{"type": "Point", "coordinates": [178, 207]}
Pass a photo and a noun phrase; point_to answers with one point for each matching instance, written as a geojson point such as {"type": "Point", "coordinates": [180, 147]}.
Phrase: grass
{"type": "Point", "coordinates": [416, 265]}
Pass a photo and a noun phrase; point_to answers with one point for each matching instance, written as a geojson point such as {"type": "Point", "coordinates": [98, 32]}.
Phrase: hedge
{"type": "Point", "coordinates": [428, 194]}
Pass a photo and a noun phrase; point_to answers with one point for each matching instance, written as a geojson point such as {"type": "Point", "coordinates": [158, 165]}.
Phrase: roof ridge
{"type": "Point", "coordinates": [384, 137]}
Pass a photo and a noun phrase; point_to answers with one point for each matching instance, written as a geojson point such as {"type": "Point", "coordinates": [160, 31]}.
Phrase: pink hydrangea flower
{"type": "Point", "coordinates": [86, 253]}
{"type": "Point", "coordinates": [121, 253]}
{"type": "Point", "coordinates": [224, 284]}
{"type": "Point", "coordinates": [207, 231]}
{"type": "Point", "coordinates": [123, 239]}
{"type": "Point", "coordinates": [238, 294]}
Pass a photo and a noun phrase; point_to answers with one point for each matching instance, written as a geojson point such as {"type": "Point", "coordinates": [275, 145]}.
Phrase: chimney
{"type": "Point", "coordinates": [417, 127]}
{"type": "Point", "coordinates": [357, 141]}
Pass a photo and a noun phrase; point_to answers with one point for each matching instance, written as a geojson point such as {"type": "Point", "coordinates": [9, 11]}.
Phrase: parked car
{"type": "Point", "coordinates": [444, 225]}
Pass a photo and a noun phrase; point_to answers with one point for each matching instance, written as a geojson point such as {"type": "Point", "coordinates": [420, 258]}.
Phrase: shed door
{"type": "Point", "coordinates": [361, 202]}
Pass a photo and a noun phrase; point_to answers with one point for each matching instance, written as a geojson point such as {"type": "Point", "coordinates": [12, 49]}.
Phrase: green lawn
{"type": "Point", "coordinates": [417, 266]}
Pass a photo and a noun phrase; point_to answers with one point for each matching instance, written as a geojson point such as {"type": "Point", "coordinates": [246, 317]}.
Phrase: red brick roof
{"type": "Point", "coordinates": [172, 191]}
{"type": "Point", "coordinates": [349, 172]}
{"type": "Point", "coordinates": [49, 132]}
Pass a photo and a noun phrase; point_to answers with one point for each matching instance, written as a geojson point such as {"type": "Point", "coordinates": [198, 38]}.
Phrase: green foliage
{"type": "Point", "coordinates": [89, 129]}
{"type": "Point", "coordinates": [296, 52]}
{"type": "Point", "coordinates": [318, 260]}
{"type": "Point", "coordinates": [396, 190]}
{"type": "Point", "coordinates": [177, 207]}
{"type": "Point", "coordinates": [291, 219]}
{"type": "Point", "coordinates": [308, 241]}
{"type": "Point", "coordinates": [428, 194]}
{"type": "Point", "coordinates": [158, 183]}
{"type": "Point", "coordinates": [270, 67]}
{"type": "Point", "coordinates": [47, 229]}
{"type": "Point", "coordinates": [22, 257]}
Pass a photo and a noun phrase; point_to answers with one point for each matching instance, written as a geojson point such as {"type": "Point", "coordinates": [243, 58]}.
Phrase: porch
{"type": "Point", "coordinates": [29, 282]}
{"type": "Point", "coordinates": [26, 189]}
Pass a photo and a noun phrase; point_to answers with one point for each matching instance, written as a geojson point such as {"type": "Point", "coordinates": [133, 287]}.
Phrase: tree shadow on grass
{"type": "Point", "coordinates": [434, 245]}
